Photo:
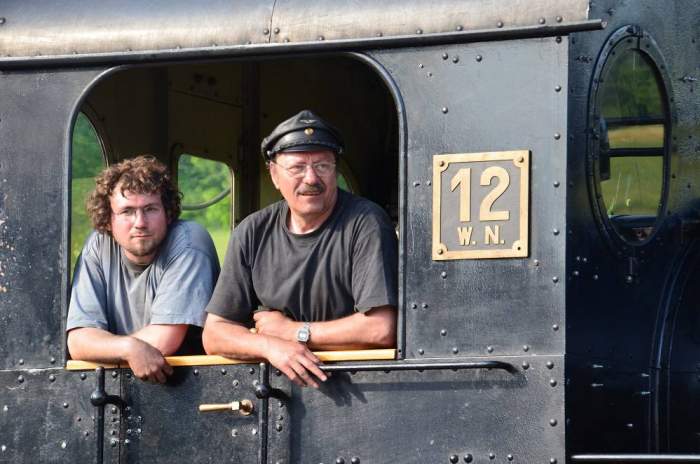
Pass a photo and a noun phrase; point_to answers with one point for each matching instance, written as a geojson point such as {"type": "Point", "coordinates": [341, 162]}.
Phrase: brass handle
{"type": "Point", "coordinates": [244, 407]}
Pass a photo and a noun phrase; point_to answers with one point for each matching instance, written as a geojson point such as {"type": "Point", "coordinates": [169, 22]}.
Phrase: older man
{"type": "Point", "coordinates": [317, 270]}
{"type": "Point", "coordinates": [143, 278]}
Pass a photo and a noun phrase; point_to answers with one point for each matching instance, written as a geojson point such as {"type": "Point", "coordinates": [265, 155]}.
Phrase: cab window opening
{"type": "Point", "coordinates": [216, 115]}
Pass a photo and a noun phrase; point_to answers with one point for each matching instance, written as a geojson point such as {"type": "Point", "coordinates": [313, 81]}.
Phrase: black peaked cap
{"type": "Point", "coordinates": [305, 131]}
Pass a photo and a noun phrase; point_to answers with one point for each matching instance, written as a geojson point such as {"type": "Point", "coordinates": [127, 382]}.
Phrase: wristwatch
{"type": "Point", "coordinates": [304, 333]}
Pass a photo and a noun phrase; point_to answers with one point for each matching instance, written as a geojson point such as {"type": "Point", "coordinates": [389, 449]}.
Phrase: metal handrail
{"type": "Point", "coordinates": [416, 366]}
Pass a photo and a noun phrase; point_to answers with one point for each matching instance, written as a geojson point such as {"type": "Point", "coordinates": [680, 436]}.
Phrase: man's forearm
{"type": "Point", "coordinates": [166, 338]}
{"type": "Point", "coordinates": [374, 329]}
{"type": "Point", "coordinates": [225, 338]}
{"type": "Point", "coordinates": [93, 344]}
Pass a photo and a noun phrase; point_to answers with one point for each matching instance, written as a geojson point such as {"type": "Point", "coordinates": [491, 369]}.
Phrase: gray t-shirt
{"type": "Point", "coordinates": [111, 293]}
{"type": "Point", "coordinates": [348, 264]}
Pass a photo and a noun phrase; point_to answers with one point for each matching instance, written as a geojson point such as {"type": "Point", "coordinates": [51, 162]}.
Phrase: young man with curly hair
{"type": "Point", "coordinates": [144, 277]}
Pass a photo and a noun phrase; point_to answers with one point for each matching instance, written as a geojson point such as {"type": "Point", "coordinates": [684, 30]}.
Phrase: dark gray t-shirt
{"type": "Point", "coordinates": [348, 264]}
{"type": "Point", "coordinates": [111, 293]}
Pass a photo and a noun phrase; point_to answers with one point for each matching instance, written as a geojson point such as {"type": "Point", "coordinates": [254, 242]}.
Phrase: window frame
{"type": "Point", "coordinates": [627, 39]}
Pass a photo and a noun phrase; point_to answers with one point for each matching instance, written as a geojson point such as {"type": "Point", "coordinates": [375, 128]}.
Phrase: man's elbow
{"type": "Point", "coordinates": [386, 336]}
{"type": "Point", "coordinates": [72, 344]}
{"type": "Point", "coordinates": [210, 339]}
{"type": "Point", "coordinates": [384, 333]}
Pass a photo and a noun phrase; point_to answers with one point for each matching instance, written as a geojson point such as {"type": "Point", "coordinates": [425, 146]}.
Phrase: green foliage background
{"type": "Point", "coordinates": [88, 161]}
{"type": "Point", "coordinates": [201, 180]}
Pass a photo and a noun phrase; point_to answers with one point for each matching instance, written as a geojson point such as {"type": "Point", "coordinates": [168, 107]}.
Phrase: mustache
{"type": "Point", "coordinates": [311, 189]}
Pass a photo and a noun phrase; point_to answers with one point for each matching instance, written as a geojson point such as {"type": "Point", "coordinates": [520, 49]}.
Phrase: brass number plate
{"type": "Point", "coordinates": [480, 205]}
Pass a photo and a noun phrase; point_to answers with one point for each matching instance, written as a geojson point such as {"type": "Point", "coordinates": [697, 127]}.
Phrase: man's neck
{"type": "Point", "coordinates": [300, 224]}
{"type": "Point", "coordinates": [139, 260]}
{"type": "Point", "coordinates": [303, 225]}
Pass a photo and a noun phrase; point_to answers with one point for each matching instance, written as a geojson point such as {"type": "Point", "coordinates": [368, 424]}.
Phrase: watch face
{"type": "Point", "coordinates": [303, 334]}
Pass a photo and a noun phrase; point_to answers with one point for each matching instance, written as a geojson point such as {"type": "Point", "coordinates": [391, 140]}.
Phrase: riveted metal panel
{"type": "Point", "coordinates": [483, 98]}
{"type": "Point", "coordinates": [623, 301]}
{"type": "Point", "coordinates": [35, 112]}
{"type": "Point", "coordinates": [46, 416]}
{"type": "Point", "coordinates": [81, 27]}
{"type": "Point", "coordinates": [163, 423]}
{"type": "Point", "coordinates": [41, 28]}
{"type": "Point", "coordinates": [312, 20]}
{"type": "Point", "coordinates": [440, 416]}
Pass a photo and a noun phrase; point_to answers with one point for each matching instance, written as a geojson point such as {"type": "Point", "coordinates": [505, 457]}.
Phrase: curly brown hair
{"type": "Point", "coordinates": [143, 174]}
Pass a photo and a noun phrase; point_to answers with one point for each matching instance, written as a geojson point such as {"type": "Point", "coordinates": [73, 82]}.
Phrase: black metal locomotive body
{"type": "Point", "coordinates": [570, 337]}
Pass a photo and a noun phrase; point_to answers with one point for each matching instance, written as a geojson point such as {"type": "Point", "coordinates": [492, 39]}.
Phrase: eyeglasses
{"type": "Point", "coordinates": [322, 168]}
{"type": "Point", "coordinates": [130, 213]}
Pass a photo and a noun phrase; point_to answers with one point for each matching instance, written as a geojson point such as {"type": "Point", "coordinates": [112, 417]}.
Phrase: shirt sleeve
{"type": "Point", "coordinates": [185, 288]}
{"type": "Point", "coordinates": [234, 296]}
{"type": "Point", "coordinates": [375, 262]}
{"type": "Point", "coordinates": [88, 300]}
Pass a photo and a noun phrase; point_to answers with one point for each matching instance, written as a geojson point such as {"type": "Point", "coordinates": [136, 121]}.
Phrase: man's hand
{"type": "Point", "coordinates": [276, 324]}
{"type": "Point", "coordinates": [147, 362]}
{"type": "Point", "coordinates": [295, 361]}
{"type": "Point", "coordinates": [231, 339]}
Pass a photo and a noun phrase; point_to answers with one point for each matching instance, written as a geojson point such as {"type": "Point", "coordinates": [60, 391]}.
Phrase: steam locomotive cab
{"type": "Point", "coordinates": [537, 160]}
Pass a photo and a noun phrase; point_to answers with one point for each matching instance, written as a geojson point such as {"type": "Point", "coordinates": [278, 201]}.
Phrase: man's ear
{"type": "Point", "coordinates": [273, 175]}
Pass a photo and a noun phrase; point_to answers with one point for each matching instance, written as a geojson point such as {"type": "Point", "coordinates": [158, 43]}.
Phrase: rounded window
{"type": "Point", "coordinates": [629, 132]}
